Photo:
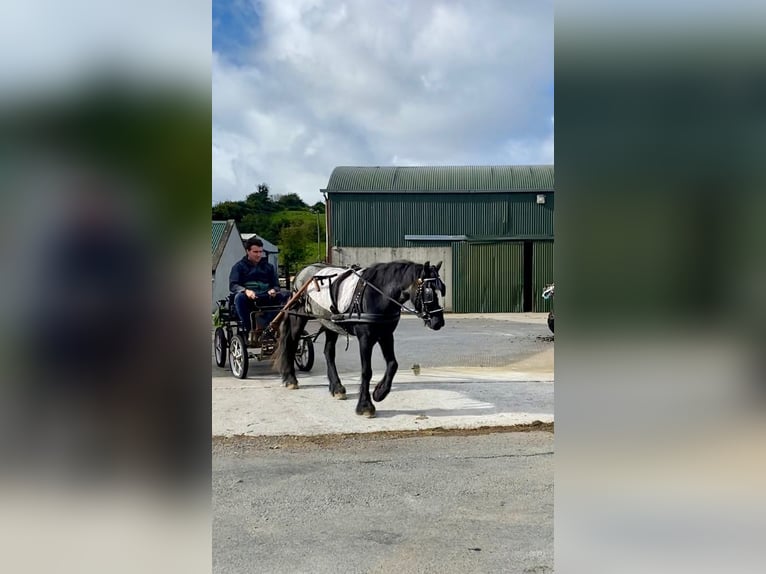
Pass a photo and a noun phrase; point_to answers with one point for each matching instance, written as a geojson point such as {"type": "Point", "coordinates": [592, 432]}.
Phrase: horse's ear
{"type": "Point", "coordinates": [438, 266]}
{"type": "Point", "coordinates": [426, 265]}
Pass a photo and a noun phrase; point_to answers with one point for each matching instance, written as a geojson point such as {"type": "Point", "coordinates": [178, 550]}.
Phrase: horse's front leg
{"type": "Point", "coordinates": [337, 390]}
{"type": "Point", "coordinates": [384, 386]}
{"type": "Point", "coordinates": [365, 406]}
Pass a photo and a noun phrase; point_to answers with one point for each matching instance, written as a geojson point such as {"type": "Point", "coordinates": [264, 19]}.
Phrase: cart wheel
{"type": "Point", "coordinates": [220, 347]}
{"type": "Point", "coordinates": [238, 358]}
{"type": "Point", "coordinates": [304, 354]}
{"type": "Point", "coordinates": [550, 321]}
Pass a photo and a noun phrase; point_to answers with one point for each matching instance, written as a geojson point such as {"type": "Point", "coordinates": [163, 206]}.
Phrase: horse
{"type": "Point", "coordinates": [366, 303]}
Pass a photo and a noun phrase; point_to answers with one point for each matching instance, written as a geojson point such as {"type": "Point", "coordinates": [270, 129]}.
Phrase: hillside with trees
{"type": "Point", "coordinates": [286, 220]}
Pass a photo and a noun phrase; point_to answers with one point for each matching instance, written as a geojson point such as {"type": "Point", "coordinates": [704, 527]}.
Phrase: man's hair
{"type": "Point", "coordinates": [253, 241]}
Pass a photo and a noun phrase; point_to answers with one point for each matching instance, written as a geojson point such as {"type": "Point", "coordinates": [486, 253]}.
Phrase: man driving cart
{"type": "Point", "coordinates": [253, 281]}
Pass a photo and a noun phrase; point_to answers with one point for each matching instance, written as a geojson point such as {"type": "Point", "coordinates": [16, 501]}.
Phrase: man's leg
{"type": "Point", "coordinates": [244, 306]}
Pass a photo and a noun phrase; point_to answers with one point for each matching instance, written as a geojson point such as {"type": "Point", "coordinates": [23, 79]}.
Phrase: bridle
{"type": "Point", "coordinates": [424, 295]}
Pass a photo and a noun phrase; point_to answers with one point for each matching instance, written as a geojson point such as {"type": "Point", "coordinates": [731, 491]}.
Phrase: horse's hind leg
{"type": "Point", "coordinates": [337, 390]}
{"type": "Point", "coordinates": [288, 345]}
{"type": "Point", "coordinates": [384, 386]}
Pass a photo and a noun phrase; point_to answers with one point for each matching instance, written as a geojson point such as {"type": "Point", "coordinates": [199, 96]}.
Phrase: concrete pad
{"type": "Point", "coordinates": [480, 370]}
{"type": "Point", "coordinates": [436, 398]}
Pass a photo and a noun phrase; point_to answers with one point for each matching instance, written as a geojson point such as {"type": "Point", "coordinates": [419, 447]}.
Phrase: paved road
{"type": "Point", "coordinates": [497, 340]}
{"type": "Point", "coordinates": [441, 504]}
{"type": "Point", "coordinates": [477, 371]}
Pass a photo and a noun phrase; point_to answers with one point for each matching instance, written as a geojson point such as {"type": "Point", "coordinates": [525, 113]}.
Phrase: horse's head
{"type": "Point", "coordinates": [426, 299]}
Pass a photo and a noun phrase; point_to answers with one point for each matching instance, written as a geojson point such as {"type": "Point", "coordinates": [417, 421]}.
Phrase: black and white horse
{"type": "Point", "coordinates": [366, 303]}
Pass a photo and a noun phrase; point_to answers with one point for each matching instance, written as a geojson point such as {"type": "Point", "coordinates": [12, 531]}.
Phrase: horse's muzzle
{"type": "Point", "coordinates": [435, 321]}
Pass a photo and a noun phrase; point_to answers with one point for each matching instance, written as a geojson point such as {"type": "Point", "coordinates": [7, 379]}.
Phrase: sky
{"type": "Point", "coordinates": [302, 86]}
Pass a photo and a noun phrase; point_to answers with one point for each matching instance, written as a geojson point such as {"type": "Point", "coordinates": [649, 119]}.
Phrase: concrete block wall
{"type": "Point", "coordinates": [364, 256]}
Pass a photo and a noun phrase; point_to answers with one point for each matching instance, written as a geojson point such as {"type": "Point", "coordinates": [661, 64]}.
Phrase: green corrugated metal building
{"type": "Point", "coordinates": [491, 225]}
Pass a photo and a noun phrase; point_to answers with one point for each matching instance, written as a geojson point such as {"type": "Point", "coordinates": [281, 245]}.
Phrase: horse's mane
{"type": "Point", "coordinates": [393, 276]}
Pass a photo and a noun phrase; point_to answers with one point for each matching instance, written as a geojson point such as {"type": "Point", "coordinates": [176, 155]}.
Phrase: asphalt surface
{"type": "Point", "coordinates": [496, 340]}
{"type": "Point", "coordinates": [355, 504]}
{"type": "Point", "coordinates": [433, 483]}
{"type": "Point", "coordinates": [475, 372]}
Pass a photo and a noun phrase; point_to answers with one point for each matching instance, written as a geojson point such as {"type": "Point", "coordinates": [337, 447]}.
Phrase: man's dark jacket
{"type": "Point", "coordinates": [260, 277]}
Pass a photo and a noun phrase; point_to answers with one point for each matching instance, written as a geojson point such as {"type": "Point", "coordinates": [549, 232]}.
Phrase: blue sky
{"type": "Point", "coordinates": [302, 86]}
{"type": "Point", "coordinates": [235, 28]}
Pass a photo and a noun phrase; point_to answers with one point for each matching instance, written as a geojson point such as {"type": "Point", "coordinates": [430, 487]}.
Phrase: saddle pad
{"type": "Point", "coordinates": [320, 301]}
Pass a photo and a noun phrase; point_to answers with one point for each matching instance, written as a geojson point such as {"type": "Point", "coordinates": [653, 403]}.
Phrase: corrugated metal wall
{"type": "Point", "coordinates": [377, 219]}
{"type": "Point", "coordinates": [542, 271]}
{"type": "Point", "coordinates": [488, 277]}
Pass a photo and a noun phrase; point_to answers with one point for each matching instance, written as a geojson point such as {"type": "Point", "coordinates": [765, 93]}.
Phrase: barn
{"type": "Point", "coordinates": [227, 250]}
{"type": "Point", "coordinates": [491, 226]}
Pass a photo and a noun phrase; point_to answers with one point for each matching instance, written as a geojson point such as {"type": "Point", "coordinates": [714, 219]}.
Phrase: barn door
{"type": "Point", "coordinates": [488, 277]}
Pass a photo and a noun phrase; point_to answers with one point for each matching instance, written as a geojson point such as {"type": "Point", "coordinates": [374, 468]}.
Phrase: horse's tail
{"type": "Point", "coordinates": [280, 362]}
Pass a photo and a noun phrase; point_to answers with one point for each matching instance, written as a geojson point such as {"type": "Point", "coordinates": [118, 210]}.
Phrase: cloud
{"type": "Point", "coordinates": [531, 150]}
{"type": "Point", "coordinates": [326, 83]}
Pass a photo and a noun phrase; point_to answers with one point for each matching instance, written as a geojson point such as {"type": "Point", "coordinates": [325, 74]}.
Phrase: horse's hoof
{"type": "Point", "coordinates": [369, 413]}
{"type": "Point", "coordinates": [339, 396]}
{"type": "Point", "coordinates": [291, 386]}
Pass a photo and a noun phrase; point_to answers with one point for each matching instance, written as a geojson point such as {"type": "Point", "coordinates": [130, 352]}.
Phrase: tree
{"type": "Point", "coordinates": [262, 224]}
{"type": "Point", "coordinates": [260, 202]}
{"type": "Point", "coordinates": [318, 207]}
{"type": "Point", "coordinates": [290, 202]}
{"type": "Point", "coordinates": [293, 246]}
{"type": "Point", "coordinates": [284, 219]}
{"type": "Point", "coordinates": [229, 210]}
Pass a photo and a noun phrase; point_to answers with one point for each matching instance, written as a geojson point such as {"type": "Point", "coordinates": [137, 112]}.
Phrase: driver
{"type": "Point", "coordinates": [252, 279]}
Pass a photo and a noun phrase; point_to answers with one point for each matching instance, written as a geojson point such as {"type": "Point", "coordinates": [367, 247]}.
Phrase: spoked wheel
{"type": "Point", "coordinates": [304, 354]}
{"type": "Point", "coordinates": [220, 344]}
{"type": "Point", "coordinates": [238, 359]}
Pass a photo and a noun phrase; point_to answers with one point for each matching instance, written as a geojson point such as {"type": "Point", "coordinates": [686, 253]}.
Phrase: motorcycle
{"type": "Point", "coordinates": [548, 294]}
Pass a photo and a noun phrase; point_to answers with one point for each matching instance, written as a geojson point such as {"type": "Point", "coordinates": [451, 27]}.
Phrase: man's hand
{"type": "Point", "coordinates": [250, 294]}
{"type": "Point", "coordinates": [272, 292]}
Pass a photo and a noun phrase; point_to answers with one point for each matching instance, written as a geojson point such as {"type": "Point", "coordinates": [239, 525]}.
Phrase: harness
{"type": "Point", "coordinates": [423, 295]}
{"type": "Point", "coordinates": [335, 287]}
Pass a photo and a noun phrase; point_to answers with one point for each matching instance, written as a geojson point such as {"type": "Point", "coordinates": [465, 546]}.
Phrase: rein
{"type": "Point", "coordinates": [425, 314]}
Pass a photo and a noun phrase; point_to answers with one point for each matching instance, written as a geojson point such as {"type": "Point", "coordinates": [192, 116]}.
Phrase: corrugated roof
{"type": "Point", "coordinates": [221, 232]}
{"type": "Point", "coordinates": [218, 228]}
{"type": "Point", "coordinates": [441, 179]}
